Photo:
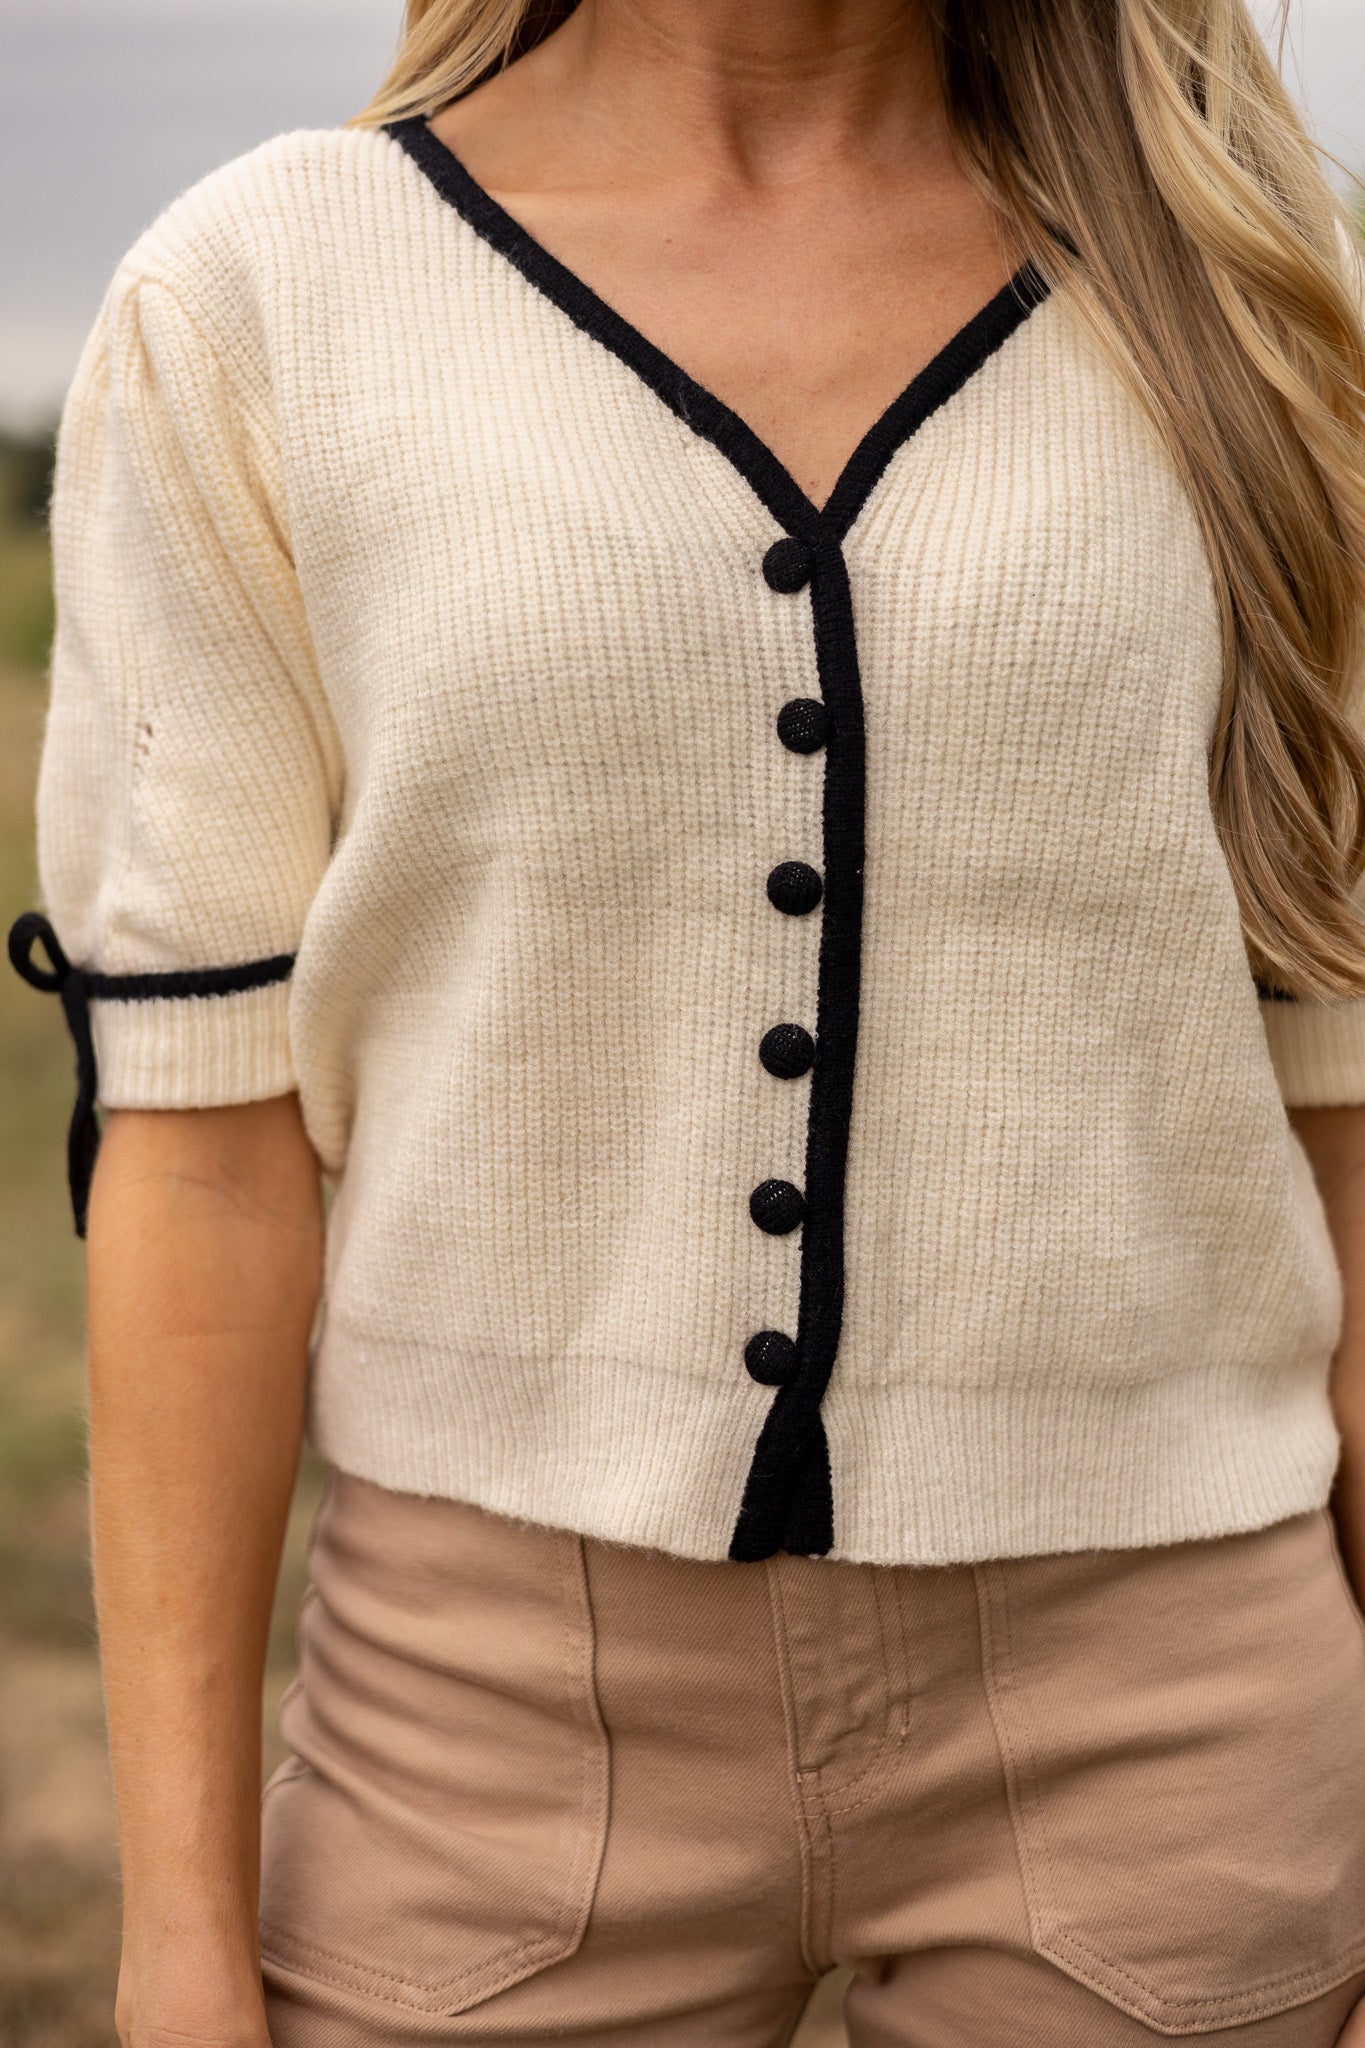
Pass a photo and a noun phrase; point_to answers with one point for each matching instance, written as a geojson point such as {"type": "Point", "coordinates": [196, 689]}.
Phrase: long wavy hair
{"type": "Point", "coordinates": [1148, 157]}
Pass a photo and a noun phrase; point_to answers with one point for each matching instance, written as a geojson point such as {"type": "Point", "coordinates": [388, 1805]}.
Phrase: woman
{"type": "Point", "coordinates": [715, 665]}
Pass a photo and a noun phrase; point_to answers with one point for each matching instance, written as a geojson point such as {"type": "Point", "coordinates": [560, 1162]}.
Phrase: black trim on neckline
{"type": "Point", "coordinates": [77, 986]}
{"type": "Point", "coordinates": [770, 480]}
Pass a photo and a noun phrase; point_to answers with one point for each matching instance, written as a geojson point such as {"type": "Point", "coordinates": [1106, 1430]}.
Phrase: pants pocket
{"type": "Point", "coordinates": [1183, 1734]}
{"type": "Point", "coordinates": [436, 1834]}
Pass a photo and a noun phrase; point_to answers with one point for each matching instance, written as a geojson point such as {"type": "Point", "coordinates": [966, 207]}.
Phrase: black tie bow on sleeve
{"type": "Point", "coordinates": [73, 986]}
{"type": "Point", "coordinates": [77, 986]}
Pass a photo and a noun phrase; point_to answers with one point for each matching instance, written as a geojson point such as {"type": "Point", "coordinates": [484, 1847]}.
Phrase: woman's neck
{"type": "Point", "coordinates": [769, 194]}
{"type": "Point", "coordinates": [747, 93]}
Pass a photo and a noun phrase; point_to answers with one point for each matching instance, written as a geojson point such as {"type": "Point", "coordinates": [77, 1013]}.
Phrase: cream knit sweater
{"type": "Point", "coordinates": [776, 1015]}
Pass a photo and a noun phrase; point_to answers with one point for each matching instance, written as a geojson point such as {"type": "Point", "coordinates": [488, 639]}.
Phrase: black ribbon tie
{"type": "Point", "coordinates": [72, 985]}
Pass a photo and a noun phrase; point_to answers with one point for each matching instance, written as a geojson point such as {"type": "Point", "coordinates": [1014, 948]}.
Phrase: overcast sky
{"type": "Point", "coordinates": [108, 108]}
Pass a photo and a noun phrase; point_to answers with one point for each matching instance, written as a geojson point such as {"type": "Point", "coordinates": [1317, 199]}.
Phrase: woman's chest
{"type": "Point", "coordinates": [530, 579]}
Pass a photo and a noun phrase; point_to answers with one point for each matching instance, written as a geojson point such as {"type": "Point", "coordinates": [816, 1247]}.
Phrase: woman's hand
{"type": "Point", "coordinates": [205, 1242]}
{"type": "Point", "coordinates": [191, 1998]}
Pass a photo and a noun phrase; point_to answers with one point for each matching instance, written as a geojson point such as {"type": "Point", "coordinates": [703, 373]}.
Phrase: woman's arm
{"type": "Point", "coordinates": [205, 1244]}
{"type": "Point", "coordinates": [1334, 1140]}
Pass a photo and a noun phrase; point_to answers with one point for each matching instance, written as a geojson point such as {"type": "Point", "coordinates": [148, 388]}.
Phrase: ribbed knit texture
{"type": "Point", "coordinates": [402, 625]}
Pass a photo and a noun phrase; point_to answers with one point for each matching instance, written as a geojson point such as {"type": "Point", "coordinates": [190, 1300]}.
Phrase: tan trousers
{"type": "Point", "coordinates": [549, 1789]}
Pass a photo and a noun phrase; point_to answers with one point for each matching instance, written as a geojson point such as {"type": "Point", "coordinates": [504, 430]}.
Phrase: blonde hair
{"type": "Point", "coordinates": [1148, 156]}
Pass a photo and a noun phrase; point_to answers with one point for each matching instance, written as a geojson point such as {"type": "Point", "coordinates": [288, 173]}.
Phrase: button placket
{"type": "Point", "coordinates": [787, 1050]}
{"type": "Point", "coordinates": [788, 1501]}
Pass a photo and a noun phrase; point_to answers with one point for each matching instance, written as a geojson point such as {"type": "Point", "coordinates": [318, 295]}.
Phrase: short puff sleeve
{"type": "Point", "coordinates": [190, 776]}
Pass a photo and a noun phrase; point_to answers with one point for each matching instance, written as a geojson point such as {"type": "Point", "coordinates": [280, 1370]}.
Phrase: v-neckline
{"type": "Point", "coordinates": [708, 416]}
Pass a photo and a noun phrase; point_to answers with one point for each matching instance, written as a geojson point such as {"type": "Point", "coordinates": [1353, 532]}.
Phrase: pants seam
{"type": "Point", "coordinates": [796, 1776]}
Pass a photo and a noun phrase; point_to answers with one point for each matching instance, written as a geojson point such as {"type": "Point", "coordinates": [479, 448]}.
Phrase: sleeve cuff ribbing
{"type": "Point", "coordinates": [194, 1052]}
{"type": "Point", "coordinates": [1318, 1051]}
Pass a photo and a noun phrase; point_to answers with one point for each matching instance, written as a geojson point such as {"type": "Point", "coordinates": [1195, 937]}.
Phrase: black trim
{"type": "Point", "coordinates": [77, 986]}
{"type": "Point", "coordinates": [699, 408]}
{"type": "Point", "coordinates": [788, 1501]}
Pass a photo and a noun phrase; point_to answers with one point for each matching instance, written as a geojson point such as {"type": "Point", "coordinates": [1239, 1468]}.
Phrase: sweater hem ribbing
{"type": "Point", "coordinates": [960, 1474]}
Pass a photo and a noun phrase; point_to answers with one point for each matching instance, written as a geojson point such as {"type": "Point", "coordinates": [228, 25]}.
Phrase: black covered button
{"type": "Point", "coordinates": [795, 887]}
{"type": "Point", "coordinates": [786, 566]}
{"type": "Point", "coordinates": [777, 1207]}
{"type": "Point", "coordinates": [803, 725]}
{"type": "Point", "coordinates": [787, 1051]}
{"type": "Point", "coordinates": [770, 1356]}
